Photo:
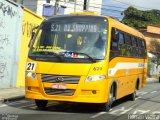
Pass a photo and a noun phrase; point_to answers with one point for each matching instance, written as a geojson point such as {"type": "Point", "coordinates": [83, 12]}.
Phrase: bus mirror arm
{"type": "Point", "coordinates": [32, 35]}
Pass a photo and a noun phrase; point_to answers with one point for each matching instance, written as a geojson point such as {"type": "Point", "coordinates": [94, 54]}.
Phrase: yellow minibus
{"type": "Point", "coordinates": [85, 58]}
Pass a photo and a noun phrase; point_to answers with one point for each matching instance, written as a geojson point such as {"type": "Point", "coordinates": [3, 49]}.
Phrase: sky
{"type": "Point", "coordinates": [115, 8]}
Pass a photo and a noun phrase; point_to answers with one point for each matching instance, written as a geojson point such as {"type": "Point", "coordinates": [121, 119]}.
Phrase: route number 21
{"type": "Point", "coordinates": [31, 66]}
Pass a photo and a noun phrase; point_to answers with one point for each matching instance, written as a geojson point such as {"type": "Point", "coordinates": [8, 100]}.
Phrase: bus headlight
{"type": "Point", "coordinates": [95, 78]}
{"type": "Point", "coordinates": [31, 75]}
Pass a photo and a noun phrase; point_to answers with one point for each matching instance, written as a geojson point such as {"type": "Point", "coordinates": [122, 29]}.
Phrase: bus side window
{"type": "Point", "coordinates": [121, 45]}
{"type": "Point", "coordinates": [128, 43]}
{"type": "Point", "coordinates": [114, 40]}
{"type": "Point", "coordinates": [134, 46]}
{"type": "Point", "coordinates": [121, 38]}
{"type": "Point", "coordinates": [144, 48]}
{"type": "Point", "coordinates": [139, 47]}
{"type": "Point", "coordinates": [114, 44]}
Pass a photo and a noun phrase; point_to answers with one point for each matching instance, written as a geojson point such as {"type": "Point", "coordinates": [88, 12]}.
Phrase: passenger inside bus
{"type": "Point", "coordinates": [92, 45]}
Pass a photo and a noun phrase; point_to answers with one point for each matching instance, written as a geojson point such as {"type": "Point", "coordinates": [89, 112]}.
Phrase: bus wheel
{"type": "Point", "coordinates": [107, 106]}
{"type": "Point", "coordinates": [132, 96]}
{"type": "Point", "coordinates": [41, 103]}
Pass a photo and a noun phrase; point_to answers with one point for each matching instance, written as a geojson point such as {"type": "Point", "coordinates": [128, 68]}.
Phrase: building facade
{"type": "Point", "coordinates": [46, 7]}
{"type": "Point", "coordinates": [16, 23]}
{"type": "Point", "coordinates": [151, 33]}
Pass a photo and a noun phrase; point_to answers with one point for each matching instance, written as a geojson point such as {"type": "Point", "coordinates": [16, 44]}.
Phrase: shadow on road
{"type": "Point", "coordinates": [65, 106]}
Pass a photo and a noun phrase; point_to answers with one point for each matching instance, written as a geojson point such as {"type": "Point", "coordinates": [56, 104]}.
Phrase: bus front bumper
{"type": "Point", "coordinates": [84, 97]}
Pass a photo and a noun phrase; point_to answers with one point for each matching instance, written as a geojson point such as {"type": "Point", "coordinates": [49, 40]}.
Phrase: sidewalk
{"type": "Point", "coordinates": [11, 94]}
{"type": "Point", "coordinates": [152, 80]}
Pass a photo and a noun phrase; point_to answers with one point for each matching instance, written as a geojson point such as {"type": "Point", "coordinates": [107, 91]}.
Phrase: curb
{"type": "Point", "coordinates": [1, 100]}
{"type": "Point", "coordinates": [5, 100]}
{"type": "Point", "coordinates": [152, 81]}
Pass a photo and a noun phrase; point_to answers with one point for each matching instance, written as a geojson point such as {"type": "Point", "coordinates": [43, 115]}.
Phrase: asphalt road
{"type": "Point", "coordinates": [147, 104]}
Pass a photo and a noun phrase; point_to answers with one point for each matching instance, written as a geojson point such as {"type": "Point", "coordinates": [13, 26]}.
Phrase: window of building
{"type": "Point", "coordinates": [48, 1]}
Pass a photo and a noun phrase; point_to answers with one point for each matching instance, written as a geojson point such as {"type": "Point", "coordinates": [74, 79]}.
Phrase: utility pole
{"type": "Point", "coordinates": [75, 5]}
{"type": "Point", "coordinates": [56, 7]}
{"type": "Point", "coordinates": [86, 5]}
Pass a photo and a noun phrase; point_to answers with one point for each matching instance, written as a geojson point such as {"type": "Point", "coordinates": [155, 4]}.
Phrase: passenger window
{"type": "Point", "coordinates": [139, 43]}
{"type": "Point", "coordinates": [121, 38]}
{"type": "Point", "coordinates": [128, 39]}
{"type": "Point", "coordinates": [114, 40]}
{"type": "Point", "coordinates": [114, 36]}
{"type": "Point", "coordinates": [134, 43]}
{"type": "Point", "coordinates": [143, 44]}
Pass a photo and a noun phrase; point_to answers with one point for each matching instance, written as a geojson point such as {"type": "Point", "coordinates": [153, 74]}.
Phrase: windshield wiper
{"type": "Point", "coordinates": [89, 57]}
{"type": "Point", "coordinates": [49, 53]}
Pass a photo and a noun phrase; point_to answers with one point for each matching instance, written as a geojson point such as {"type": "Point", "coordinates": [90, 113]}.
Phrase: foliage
{"type": "Point", "coordinates": [154, 46]}
{"type": "Point", "coordinates": [140, 19]}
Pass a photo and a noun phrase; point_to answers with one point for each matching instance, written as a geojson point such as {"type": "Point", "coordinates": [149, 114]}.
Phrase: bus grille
{"type": "Point", "coordinates": [67, 92]}
{"type": "Point", "coordinates": [60, 79]}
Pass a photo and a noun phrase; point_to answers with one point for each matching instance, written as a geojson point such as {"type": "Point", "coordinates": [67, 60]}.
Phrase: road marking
{"type": "Point", "coordinates": [18, 102]}
{"type": "Point", "coordinates": [121, 110]}
{"type": "Point", "coordinates": [156, 112]}
{"type": "Point", "coordinates": [138, 98]}
{"type": "Point", "coordinates": [3, 105]}
{"type": "Point", "coordinates": [142, 93]}
{"type": "Point", "coordinates": [33, 107]}
{"type": "Point", "coordinates": [98, 114]}
{"type": "Point", "coordinates": [48, 105]}
{"type": "Point", "coordinates": [140, 111]}
{"type": "Point", "coordinates": [26, 106]}
{"type": "Point", "coordinates": [153, 92]}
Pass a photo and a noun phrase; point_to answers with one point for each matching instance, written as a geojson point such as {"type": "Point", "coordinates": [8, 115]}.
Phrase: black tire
{"type": "Point", "coordinates": [41, 103]}
{"type": "Point", "coordinates": [159, 79]}
{"type": "Point", "coordinates": [107, 106]}
{"type": "Point", "coordinates": [132, 96]}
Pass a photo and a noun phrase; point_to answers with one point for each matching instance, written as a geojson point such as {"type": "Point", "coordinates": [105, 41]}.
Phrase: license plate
{"type": "Point", "coordinates": [59, 86]}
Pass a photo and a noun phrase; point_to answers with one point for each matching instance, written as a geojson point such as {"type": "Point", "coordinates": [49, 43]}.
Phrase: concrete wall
{"type": "Point", "coordinates": [10, 33]}
{"type": "Point", "coordinates": [16, 23]}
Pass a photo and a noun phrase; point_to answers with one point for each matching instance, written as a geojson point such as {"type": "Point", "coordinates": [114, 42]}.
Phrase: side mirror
{"type": "Point", "coordinates": [32, 35]}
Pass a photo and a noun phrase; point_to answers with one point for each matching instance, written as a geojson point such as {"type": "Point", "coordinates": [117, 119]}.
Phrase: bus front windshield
{"type": "Point", "coordinates": [71, 38]}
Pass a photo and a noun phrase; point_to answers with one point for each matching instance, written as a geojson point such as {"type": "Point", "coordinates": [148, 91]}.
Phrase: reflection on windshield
{"type": "Point", "coordinates": [77, 36]}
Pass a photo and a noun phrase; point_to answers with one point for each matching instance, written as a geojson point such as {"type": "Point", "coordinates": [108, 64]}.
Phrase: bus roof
{"type": "Point", "coordinates": [125, 28]}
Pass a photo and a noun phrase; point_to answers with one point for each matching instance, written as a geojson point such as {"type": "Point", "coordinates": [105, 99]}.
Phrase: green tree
{"type": "Point", "coordinates": [154, 46]}
{"type": "Point", "coordinates": [140, 19]}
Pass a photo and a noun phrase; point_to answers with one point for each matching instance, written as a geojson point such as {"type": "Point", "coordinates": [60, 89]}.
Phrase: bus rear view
{"type": "Point", "coordinates": [67, 61]}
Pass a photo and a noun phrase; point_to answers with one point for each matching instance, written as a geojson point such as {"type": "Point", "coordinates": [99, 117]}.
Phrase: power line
{"type": "Point", "coordinates": [95, 4]}
{"type": "Point", "coordinates": [81, 4]}
{"type": "Point", "coordinates": [99, 7]}
{"type": "Point", "coordinates": [105, 9]}
{"type": "Point", "coordinates": [108, 5]}
{"type": "Point", "coordinates": [131, 4]}
{"type": "Point", "coordinates": [116, 17]}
